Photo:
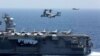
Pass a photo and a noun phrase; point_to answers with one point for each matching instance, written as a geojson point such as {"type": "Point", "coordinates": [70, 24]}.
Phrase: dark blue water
{"type": "Point", "coordinates": [80, 21]}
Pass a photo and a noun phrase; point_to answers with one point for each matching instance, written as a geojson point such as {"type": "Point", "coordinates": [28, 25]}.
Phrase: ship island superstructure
{"type": "Point", "coordinates": [42, 43]}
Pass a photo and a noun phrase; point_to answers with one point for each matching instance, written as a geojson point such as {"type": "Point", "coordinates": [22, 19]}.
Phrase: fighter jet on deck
{"type": "Point", "coordinates": [48, 13]}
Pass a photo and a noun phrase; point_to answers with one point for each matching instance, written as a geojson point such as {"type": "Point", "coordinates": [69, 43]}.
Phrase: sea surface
{"type": "Point", "coordinates": [79, 21]}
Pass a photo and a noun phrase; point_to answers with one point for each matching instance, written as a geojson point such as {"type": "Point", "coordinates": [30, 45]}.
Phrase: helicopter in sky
{"type": "Point", "coordinates": [48, 13]}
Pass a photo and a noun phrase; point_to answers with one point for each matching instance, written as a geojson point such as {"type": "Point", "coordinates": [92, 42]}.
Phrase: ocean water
{"type": "Point", "coordinates": [80, 21]}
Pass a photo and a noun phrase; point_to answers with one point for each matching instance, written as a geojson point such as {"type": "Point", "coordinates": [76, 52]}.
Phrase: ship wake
{"type": "Point", "coordinates": [95, 52]}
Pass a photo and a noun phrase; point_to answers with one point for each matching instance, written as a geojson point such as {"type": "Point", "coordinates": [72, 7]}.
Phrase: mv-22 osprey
{"type": "Point", "coordinates": [48, 13]}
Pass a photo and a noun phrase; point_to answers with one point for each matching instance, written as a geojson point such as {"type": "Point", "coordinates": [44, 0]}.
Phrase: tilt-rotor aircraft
{"type": "Point", "coordinates": [48, 13]}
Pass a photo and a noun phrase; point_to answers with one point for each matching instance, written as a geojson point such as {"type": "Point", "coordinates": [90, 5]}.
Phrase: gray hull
{"type": "Point", "coordinates": [43, 47]}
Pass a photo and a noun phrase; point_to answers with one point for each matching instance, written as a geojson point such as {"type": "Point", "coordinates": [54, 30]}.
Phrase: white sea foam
{"type": "Point", "coordinates": [95, 54]}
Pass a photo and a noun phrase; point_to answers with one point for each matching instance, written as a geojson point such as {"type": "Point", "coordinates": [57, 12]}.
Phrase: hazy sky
{"type": "Point", "coordinates": [64, 4]}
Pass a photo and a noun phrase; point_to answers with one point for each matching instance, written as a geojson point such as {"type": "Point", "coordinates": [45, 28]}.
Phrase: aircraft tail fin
{"type": "Point", "coordinates": [58, 13]}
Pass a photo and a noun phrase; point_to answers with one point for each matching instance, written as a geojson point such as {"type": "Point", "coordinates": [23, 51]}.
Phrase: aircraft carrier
{"type": "Point", "coordinates": [42, 42]}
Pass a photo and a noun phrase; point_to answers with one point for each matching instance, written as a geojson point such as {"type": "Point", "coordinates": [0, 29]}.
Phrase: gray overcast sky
{"type": "Point", "coordinates": [64, 4]}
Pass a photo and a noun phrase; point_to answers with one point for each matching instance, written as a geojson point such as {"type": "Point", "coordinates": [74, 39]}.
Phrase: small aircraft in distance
{"type": "Point", "coordinates": [75, 8]}
{"type": "Point", "coordinates": [48, 13]}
